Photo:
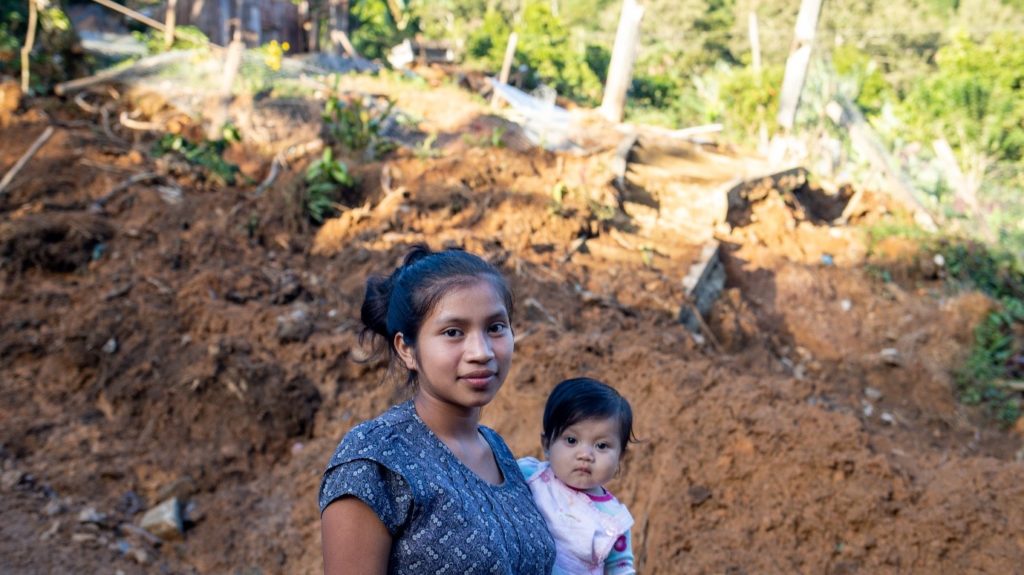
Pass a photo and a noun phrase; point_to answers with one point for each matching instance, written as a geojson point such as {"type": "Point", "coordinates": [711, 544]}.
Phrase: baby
{"type": "Point", "coordinates": [587, 425]}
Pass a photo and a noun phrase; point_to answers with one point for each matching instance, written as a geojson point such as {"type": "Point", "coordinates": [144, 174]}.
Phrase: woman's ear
{"type": "Point", "coordinates": [405, 351]}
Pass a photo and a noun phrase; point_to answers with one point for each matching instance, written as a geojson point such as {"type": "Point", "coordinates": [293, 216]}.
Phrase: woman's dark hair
{"type": "Point", "coordinates": [581, 398]}
{"type": "Point", "coordinates": [400, 302]}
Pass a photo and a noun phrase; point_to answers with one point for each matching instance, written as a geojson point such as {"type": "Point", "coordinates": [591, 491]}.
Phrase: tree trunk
{"type": "Point", "coordinates": [620, 70]}
{"type": "Point", "coordinates": [796, 64]}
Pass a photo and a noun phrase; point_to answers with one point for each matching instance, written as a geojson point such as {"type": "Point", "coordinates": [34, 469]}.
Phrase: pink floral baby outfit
{"type": "Point", "coordinates": [592, 532]}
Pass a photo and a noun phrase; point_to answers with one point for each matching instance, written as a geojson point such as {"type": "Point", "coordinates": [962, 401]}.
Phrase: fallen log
{"type": "Point", "coordinates": [142, 65]}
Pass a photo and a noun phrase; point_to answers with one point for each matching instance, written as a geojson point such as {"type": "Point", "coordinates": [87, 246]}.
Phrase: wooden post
{"type": "Point", "coordinates": [755, 43]}
{"type": "Point", "coordinates": [506, 64]}
{"type": "Point", "coordinates": [620, 70]}
{"type": "Point", "coordinates": [755, 64]}
{"type": "Point", "coordinates": [30, 40]}
{"type": "Point", "coordinates": [846, 115]}
{"type": "Point", "coordinates": [170, 20]}
{"type": "Point", "coordinates": [231, 64]}
{"type": "Point", "coordinates": [796, 64]}
{"type": "Point", "coordinates": [255, 18]}
{"type": "Point", "coordinates": [334, 17]}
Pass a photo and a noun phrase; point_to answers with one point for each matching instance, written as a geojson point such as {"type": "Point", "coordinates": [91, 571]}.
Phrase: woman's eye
{"type": "Point", "coordinates": [499, 328]}
{"type": "Point", "coordinates": [452, 332]}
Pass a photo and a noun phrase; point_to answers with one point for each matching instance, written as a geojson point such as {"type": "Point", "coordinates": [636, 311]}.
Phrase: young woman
{"type": "Point", "coordinates": [424, 488]}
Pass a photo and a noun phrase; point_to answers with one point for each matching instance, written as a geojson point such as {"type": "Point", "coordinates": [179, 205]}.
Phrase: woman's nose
{"type": "Point", "coordinates": [478, 347]}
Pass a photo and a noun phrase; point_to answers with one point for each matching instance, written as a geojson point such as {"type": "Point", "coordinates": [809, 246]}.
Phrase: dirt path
{"type": "Point", "coordinates": [203, 349]}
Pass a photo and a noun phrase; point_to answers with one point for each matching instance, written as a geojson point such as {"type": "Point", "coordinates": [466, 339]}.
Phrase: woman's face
{"type": "Point", "coordinates": [464, 348]}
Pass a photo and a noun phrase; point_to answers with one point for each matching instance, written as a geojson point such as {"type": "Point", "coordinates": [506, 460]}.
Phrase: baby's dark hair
{"type": "Point", "coordinates": [582, 398]}
{"type": "Point", "coordinates": [400, 302]}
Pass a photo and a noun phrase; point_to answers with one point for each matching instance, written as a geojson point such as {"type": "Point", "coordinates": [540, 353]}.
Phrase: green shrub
{"type": "Point", "coordinates": [749, 99]}
{"type": "Point", "coordinates": [326, 179]}
{"type": "Point", "coordinates": [185, 38]}
{"type": "Point", "coordinates": [357, 126]}
{"type": "Point", "coordinates": [862, 78]}
{"type": "Point", "coordinates": [208, 155]}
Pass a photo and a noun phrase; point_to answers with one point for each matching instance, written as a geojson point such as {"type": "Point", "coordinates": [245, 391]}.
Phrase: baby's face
{"type": "Point", "coordinates": [586, 455]}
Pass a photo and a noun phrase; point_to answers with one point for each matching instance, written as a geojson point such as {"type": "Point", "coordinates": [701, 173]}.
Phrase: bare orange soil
{"type": "Point", "coordinates": [205, 349]}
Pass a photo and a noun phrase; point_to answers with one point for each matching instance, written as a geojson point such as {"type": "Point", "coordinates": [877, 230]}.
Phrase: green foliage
{"type": "Point", "coordinates": [208, 155]}
{"type": "Point", "coordinates": [997, 353]}
{"type": "Point", "coordinates": [326, 179]}
{"type": "Point", "coordinates": [374, 31]}
{"type": "Point", "coordinates": [973, 98]}
{"type": "Point", "coordinates": [861, 79]}
{"type": "Point", "coordinates": [185, 38]}
{"type": "Point", "coordinates": [486, 45]}
{"type": "Point", "coordinates": [994, 352]}
{"type": "Point", "coordinates": [544, 47]}
{"type": "Point", "coordinates": [357, 126]}
{"type": "Point", "coordinates": [749, 99]}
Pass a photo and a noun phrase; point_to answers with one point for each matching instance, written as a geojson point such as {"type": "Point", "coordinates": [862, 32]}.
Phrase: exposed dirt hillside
{"type": "Point", "coordinates": [203, 346]}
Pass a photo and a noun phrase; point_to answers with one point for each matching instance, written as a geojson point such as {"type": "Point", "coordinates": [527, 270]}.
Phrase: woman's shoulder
{"type": "Point", "coordinates": [387, 433]}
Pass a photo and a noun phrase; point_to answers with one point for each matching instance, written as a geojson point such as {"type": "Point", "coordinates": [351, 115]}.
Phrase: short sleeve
{"type": "Point", "coordinates": [529, 467]}
{"type": "Point", "coordinates": [620, 560]}
{"type": "Point", "coordinates": [383, 490]}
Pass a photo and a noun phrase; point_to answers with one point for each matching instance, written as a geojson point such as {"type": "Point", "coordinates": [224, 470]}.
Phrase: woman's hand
{"type": "Point", "coordinates": [355, 541]}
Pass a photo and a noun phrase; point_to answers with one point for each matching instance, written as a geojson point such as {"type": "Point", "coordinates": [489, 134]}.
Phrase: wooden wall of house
{"type": "Point", "coordinates": [262, 20]}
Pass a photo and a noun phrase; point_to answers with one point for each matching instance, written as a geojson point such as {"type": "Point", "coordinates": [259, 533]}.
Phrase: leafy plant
{"type": "Point", "coordinates": [326, 178]}
{"type": "Point", "coordinates": [185, 38]}
{"type": "Point", "coordinates": [208, 155]}
{"type": "Point", "coordinates": [357, 126]}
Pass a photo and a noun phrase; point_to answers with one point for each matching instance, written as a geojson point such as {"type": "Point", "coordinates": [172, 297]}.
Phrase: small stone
{"type": "Point", "coordinates": [845, 305]}
{"type": "Point", "coordinates": [192, 513]}
{"type": "Point", "coordinates": [939, 260]}
{"type": "Point", "coordinates": [54, 507]}
{"type": "Point", "coordinates": [872, 393]}
{"type": "Point", "coordinates": [891, 356]}
{"type": "Point", "coordinates": [698, 495]}
{"type": "Point", "coordinates": [51, 531]}
{"type": "Point", "coordinates": [139, 555]}
{"type": "Point", "coordinates": [82, 537]}
{"type": "Point", "coordinates": [164, 520]}
{"type": "Point", "coordinates": [90, 515]}
{"type": "Point", "coordinates": [10, 479]}
{"type": "Point", "coordinates": [295, 326]}
{"type": "Point", "coordinates": [110, 347]}
{"type": "Point", "coordinates": [887, 418]}
{"type": "Point", "coordinates": [869, 409]}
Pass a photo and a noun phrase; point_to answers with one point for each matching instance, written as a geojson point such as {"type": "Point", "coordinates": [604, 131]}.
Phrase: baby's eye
{"type": "Point", "coordinates": [452, 332]}
{"type": "Point", "coordinates": [602, 446]}
{"type": "Point", "coordinates": [570, 440]}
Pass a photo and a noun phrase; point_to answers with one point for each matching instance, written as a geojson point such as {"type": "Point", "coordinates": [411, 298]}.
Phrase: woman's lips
{"type": "Point", "coordinates": [479, 379]}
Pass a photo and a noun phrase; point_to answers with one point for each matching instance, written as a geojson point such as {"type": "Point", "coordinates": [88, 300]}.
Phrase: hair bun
{"type": "Point", "coordinates": [374, 313]}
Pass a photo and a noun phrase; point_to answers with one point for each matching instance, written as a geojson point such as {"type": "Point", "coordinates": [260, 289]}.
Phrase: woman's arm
{"type": "Point", "coordinates": [355, 541]}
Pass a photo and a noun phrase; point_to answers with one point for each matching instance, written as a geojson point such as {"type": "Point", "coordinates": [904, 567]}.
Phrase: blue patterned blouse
{"type": "Point", "coordinates": [442, 517]}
